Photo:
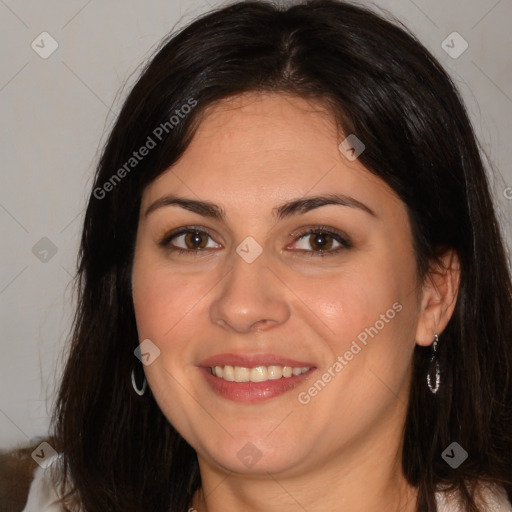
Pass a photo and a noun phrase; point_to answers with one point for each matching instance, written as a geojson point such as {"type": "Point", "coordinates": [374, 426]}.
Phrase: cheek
{"type": "Point", "coordinates": [150, 300]}
{"type": "Point", "coordinates": [371, 314]}
{"type": "Point", "coordinates": [161, 297]}
{"type": "Point", "coordinates": [164, 302]}
{"type": "Point", "coordinates": [171, 311]}
{"type": "Point", "coordinates": [357, 298]}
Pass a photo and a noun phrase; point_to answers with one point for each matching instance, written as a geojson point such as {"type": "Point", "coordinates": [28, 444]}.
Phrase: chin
{"type": "Point", "coordinates": [256, 456]}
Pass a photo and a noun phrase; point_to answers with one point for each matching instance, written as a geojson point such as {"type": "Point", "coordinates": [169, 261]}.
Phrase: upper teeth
{"type": "Point", "coordinates": [257, 374]}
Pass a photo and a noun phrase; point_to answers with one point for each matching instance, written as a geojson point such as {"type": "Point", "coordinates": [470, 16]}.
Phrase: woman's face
{"type": "Point", "coordinates": [256, 296]}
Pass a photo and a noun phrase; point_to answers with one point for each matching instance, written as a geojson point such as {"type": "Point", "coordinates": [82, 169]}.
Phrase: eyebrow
{"type": "Point", "coordinates": [288, 209]}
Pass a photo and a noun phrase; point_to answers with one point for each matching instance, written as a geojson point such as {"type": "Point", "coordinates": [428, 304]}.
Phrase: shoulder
{"type": "Point", "coordinates": [43, 495]}
{"type": "Point", "coordinates": [492, 498]}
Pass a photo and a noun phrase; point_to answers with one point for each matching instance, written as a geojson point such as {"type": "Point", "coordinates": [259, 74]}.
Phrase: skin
{"type": "Point", "coordinates": [342, 450]}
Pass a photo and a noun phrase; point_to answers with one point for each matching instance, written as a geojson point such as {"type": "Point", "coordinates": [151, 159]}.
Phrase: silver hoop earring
{"type": "Point", "coordinates": [140, 389]}
{"type": "Point", "coordinates": [434, 365]}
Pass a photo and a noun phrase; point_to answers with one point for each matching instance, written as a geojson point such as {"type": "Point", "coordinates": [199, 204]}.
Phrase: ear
{"type": "Point", "coordinates": [438, 297]}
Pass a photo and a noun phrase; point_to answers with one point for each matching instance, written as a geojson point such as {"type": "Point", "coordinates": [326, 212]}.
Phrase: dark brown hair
{"type": "Point", "coordinates": [381, 84]}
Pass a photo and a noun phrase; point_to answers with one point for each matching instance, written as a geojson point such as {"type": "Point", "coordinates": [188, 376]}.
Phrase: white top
{"type": "Point", "coordinates": [42, 497]}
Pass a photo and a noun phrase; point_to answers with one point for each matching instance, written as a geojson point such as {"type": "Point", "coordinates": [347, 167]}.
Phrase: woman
{"type": "Point", "coordinates": [294, 293]}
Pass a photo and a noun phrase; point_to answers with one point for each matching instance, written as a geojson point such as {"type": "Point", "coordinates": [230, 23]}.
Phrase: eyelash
{"type": "Point", "coordinates": [339, 237]}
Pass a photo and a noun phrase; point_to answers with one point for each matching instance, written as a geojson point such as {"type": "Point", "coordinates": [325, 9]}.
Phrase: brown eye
{"type": "Point", "coordinates": [321, 241]}
{"type": "Point", "coordinates": [195, 240]}
{"type": "Point", "coordinates": [188, 241]}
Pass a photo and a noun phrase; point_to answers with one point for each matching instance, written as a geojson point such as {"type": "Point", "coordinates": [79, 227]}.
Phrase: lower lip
{"type": "Point", "coordinates": [253, 391]}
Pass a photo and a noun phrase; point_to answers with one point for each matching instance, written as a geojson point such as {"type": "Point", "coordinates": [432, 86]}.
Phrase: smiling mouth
{"type": "Point", "coordinates": [256, 374]}
{"type": "Point", "coordinates": [254, 377]}
{"type": "Point", "coordinates": [256, 384]}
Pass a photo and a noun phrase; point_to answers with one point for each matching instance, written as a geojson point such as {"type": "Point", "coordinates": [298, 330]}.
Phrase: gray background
{"type": "Point", "coordinates": [56, 113]}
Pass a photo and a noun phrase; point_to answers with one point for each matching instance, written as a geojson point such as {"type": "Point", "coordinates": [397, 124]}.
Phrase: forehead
{"type": "Point", "coordinates": [261, 148]}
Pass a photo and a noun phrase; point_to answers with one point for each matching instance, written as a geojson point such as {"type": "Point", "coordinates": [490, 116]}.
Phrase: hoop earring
{"type": "Point", "coordinates": [434, 364]}
{"type": "Point", "coordinates": [138, 386]}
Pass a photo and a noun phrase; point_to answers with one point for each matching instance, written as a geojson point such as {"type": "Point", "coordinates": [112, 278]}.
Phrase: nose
{"type": "Point", "coordinates": [250, 298]}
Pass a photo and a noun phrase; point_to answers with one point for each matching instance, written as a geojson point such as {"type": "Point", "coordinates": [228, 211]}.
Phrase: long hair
{"type": "Point", "coordinates": [380, 83]}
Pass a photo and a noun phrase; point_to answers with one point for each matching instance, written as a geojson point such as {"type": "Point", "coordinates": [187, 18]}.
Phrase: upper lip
{"type": "Point", "coordinates": [251, 360]}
